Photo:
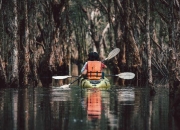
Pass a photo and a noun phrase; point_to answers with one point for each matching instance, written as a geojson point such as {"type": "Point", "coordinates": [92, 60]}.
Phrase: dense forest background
{"type": "Point", "coordinates": [41, 38]}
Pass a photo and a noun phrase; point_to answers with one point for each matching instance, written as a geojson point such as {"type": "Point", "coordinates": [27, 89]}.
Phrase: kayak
{"type": "Point", "coordinates": [103, 84]}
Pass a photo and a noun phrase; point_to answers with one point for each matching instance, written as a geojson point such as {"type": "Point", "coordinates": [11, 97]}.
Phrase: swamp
{"type": "Point", "coordinates": [40, 39]}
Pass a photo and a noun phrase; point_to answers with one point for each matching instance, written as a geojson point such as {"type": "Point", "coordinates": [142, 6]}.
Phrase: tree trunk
{"type": "Point", "coordinates": [26, 46]}
{"type": "Point", "coordinates": [149, 53]}
{"type": "Point", "coordinates": [98, 35]}
{"type": "Point", "coordinates": [174, 50]}
{"type": "Point", "coordinates": [3, 79]}
{"type": "Point", "coordinates": [33, 44]}
{"type": "Point", "coordinates": [14, 78]}
{"type": "Point", "coordinates": [0, 4]}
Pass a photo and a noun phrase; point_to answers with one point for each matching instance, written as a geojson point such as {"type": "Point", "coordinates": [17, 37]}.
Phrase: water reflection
{"type": "Point", "coordinates": [94, 104]}
{"type": "Point", "coordinates": [126, 96]}
{"type": "Point", "coordinates": [126, 108]}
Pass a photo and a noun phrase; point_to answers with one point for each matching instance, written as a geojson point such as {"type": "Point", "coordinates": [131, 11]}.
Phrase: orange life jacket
{"type": "Point", "coordinates": [94, 71]}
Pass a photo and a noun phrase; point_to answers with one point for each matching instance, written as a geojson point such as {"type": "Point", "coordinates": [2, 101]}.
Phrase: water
{"type": "Point", "coordinates": [121, 108]}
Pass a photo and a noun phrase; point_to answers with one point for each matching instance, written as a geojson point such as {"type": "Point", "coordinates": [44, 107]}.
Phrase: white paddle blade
{"type": "Point", "coordinates": [65, 86]}
{"type": "Point", "coordinates": [113, 53]}
{"type": "Point", "coordinates": [61, 77]}
{"type": "Point", "coordinates": [126, 75]}
{"type": "Point", "coordinates": [57, 88]}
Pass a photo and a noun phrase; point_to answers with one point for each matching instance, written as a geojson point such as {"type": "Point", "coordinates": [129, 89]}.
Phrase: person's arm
{"type": "Point", "coordinates": [84, 72]}
{"type": "Point", "coordinates": [103, 66]}
{"type": "Point", "coordinates": [83, 68]}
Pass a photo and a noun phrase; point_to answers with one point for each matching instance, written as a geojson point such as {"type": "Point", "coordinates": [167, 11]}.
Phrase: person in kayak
{"type": "Point", "coordinates": [93, 67]}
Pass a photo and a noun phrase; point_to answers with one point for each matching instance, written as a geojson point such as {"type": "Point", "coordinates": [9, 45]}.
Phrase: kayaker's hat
{"type": "Point", "coordinates": [96, 56]}
{"type": "Point", "coordinates": [93, 56]}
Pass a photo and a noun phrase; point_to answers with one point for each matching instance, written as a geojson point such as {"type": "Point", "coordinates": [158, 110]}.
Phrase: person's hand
{"type": "Point", "coordinates": [105, 66]}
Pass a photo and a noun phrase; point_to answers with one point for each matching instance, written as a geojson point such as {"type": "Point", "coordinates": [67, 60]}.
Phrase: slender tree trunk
{"type": "Point", "coordinates": [97, 35]}
{"type": "Point", "coordinates": [35, 54]}
{"type": "Point", "coordinates": [149, 53]}
{"type": "Point", "coordinates": [14, 78]}
{"type": "Point", "coordinates": [0, 4]}
{"type": "Point", "coordinates": [174, 54]}
{"type": "Point", "coordinates": [26, 46]}
{"type": "Point", "coordinates": [3, 79]}
{"type": "Point", "coordinates": [35, 57]}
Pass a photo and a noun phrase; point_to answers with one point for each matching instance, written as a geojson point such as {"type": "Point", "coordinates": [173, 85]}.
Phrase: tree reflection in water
{"type": "Point", "coordinates": [127, 108]}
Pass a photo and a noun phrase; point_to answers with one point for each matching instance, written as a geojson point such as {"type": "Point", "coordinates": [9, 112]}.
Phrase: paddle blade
{"type": "Point", "coordinates": [126, 75]}
{"type": "Point", "coordinates": [61, 77]}
{"type": "Point", "coordinates": [65, 86]}
{"type": "Point", "coordinates": [57, 88]}
{"type": "Point", "coordinates": [113, 53]}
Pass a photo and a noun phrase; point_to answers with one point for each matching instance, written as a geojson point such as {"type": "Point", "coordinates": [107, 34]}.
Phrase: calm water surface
{"type": "Point", "coordinates": [121, 108]}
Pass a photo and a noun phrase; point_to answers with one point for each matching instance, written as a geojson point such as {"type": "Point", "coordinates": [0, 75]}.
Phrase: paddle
{"type": "Point", "coordinates": [68, 85]}
{"type": "Point", "coordinates": [112, 54]}
{"type": "Point", "coordinates": [124, 75]}
{"type": "Point", "coordinates": [61, 77]}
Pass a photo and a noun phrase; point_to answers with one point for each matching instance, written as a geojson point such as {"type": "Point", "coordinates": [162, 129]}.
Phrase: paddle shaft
{"type": "Point", "coordinates": [75, 79]}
